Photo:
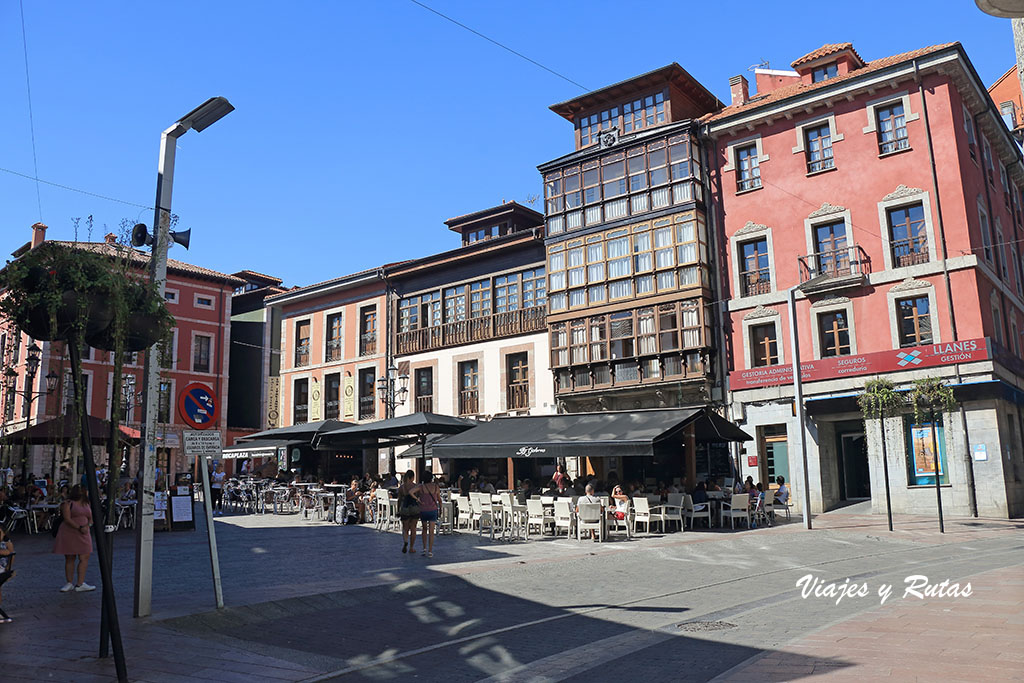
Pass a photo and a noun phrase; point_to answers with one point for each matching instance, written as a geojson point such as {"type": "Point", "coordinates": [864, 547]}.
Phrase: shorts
{"type": "Point", "coordinates": [618, 515]}
{"type": "Point", "coordinates": [428, 515]}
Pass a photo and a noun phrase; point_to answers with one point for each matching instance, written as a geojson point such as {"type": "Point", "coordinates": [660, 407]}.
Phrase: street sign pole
{"type": "Point", "coordinates": [204, 445]}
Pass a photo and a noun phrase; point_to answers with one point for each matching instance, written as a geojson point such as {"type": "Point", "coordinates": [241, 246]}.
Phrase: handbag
{"type": "Point", "coordinates": [55, 527]}
{"type": "Point", "coordinates": [409, 507]}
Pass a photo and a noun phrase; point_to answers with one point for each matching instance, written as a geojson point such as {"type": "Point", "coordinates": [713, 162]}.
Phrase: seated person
{"type": "Point", "coordinates": [621, 501]}
{"type": "Point", "coordinates": [552, 488]}
{"type": "Point", "coordinates": [354, 495]}
{"type": "Point", "coordinates": [782, 495]}
{"type": "Point", "coordinates": [486, 486]}
{"type": "Point", "coordinates": [588, 497]}
{"type": "Point", "coordinates": [700, 494]}
{"type": "Point", "coordinates": [712, 486]}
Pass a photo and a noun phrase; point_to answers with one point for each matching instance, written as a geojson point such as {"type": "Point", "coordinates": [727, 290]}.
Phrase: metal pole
{"type": "Point", "coordinates": [211, 534]}
{"type": "Point", "coordinates": [938, 491]}
{"type": "Point", "coordinates": [885, 473]}
{"type": "Point", "coordinates": [151, 381]}
{"type": "Point", "coordinates": [102, 549]}
{"type": "Point", "coordinates": [798, 398]}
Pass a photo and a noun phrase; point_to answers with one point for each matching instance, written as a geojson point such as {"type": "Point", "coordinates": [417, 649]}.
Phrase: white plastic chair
{"type": "Point", "coordinates": [588, 518]}
{"type": "Point", "coordinates": [615, 523]}
{"type": "Point", "coordinates": [464, 516]}
{"type": "Point", "coordinates": [739, 508]}
{"type": "Point", "coordinates": [563, 516]}
{"type": "Point", "coordinates": [769, 505]}
{"type": "Point", "coordinates": [642, 514]}
{"type": "Point", "coordinates": [698, 511]}
{"type": "Point", "coordinates": [535, 517]}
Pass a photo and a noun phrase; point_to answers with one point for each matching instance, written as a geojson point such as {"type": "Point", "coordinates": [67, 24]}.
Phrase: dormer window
{"type": "Point", "coordinates": [824, 72]}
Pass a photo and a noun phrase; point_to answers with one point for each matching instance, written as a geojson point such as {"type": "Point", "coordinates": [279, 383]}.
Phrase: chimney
{"type": "Point", "coordinates": [110, 238]}
{"type": "Point", "coordinates": [38, 234]}
{"type": "Point", "coordinates": [740, 89]}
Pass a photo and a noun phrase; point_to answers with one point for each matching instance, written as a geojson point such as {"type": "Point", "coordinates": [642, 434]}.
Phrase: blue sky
{"type": "Point", "coordinates": [361, 126]}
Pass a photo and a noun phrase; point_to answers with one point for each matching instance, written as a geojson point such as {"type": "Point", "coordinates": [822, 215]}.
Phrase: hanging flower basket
{"type": "Point", "coordinates": [141, 319]}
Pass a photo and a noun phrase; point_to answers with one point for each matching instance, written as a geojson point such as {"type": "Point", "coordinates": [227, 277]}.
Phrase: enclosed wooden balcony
{"type": "Point", "coordinates": [494, 326]}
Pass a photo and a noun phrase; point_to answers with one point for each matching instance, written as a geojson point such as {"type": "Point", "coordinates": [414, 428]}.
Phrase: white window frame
{"type": "Point", "coordinates": [997, 317]}
{"type": "Point", "coordinates": [730, 152]}
{"type": "Point", "coordinates": [171, 404]}
{"type": "Point", "coordinates": [69, 386]}
{"type": "Point", "coordinates": [829, 306]}
{"type": "Point", "coordinates": [174, 352]}
{"type": "Point", "coordinates": [762, 317]}
{"type": "Point", "coordinates": [192, 353]}
{"type": "Point", "coordinates": [985, 227]}
{"type": "Point", "coordinates": [748, 233]}
{"type": "Point", "coordinates": [801, 139]}
{"type": "Point", "coordinates": [905, 290]}
{"type": "Point", "coordinates": [195, 301]}
{"type": "Point", "coordinates": [175, 296]}
{"type": "Point", "coordinates": [828, 213]}
{"type": "Point", "coordinates": [972, 137]}
{"type": "Point", "coordinates": [1000, 245]}
{"type": "Point", "coordinates": [908, 115]}
{"type": "Point", "coordinates": [322, 354]}
{"type": "Point", "coordinates": [906, 196]}
{"type": "Point", "coordinates": [294, 377]}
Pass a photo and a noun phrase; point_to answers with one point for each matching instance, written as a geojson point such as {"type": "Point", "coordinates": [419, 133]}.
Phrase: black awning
{"type": "Point", "coordinates": [632, 433]}
{"type": "Point", "coordinates": [266, 448]}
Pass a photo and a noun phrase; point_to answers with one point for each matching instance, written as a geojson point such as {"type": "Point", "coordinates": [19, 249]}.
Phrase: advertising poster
{"type": "Point", "coordinates": [924, 450]}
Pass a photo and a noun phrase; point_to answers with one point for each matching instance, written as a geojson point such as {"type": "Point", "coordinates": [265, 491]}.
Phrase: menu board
{"type": "Point", "coordinates": [181, 508]}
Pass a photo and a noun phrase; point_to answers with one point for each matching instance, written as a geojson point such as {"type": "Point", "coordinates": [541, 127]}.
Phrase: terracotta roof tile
{"type": "Point", "coordinates": [795, 89]}
{"type": "Point", "coordinates": [139, 258]}
{"type": "Point", "coordinates": [270, 278]}
{"type": "Point", "coordinates": [824, 51]}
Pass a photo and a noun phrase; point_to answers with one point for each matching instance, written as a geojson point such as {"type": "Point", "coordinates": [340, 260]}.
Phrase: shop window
{"type": "Point", "coordinates": [921, 450]}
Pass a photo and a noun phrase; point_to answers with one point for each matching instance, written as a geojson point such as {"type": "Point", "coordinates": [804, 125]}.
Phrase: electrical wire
{"type": "Point", "coordinates": [74, 189]}
{"type": "Point", "coordinates": [501, 45]}
{"type": "Point", "coordinates": [31, 119]}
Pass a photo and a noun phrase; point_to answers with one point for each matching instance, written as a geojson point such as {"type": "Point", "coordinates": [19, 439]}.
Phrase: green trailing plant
{"type": "Point", "coordinates": [51, 289]}
{"type": "Point", "coordinates": [931, 395]}
{"type": "Point", "coordinates": [880, 399]}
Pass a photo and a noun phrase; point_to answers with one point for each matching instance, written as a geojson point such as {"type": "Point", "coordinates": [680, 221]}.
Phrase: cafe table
{"type": "Point", "coordinates": [39, 507]}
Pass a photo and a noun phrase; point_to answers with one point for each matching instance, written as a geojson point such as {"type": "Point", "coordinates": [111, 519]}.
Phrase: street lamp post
{"type": "Point", "coordinates": [28, 396]}
{"type": "Point", "coordinates": [199, 119]}
{"type": "Point", "coordinates": [392, 389]}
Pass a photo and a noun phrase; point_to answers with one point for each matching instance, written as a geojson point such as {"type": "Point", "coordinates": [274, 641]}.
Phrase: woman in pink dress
{"type": "Point", "coordinates": [73, 540]}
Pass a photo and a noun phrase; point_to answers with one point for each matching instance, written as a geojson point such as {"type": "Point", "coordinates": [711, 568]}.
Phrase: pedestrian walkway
{"type": "Point", "coordinates": [308, 600]}
{"type": "Point", "coordinates": [974, 639]}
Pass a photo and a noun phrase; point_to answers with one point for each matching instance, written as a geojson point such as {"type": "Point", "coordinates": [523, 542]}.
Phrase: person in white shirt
{"type": "Point", "coordinates": [217, 490]}
{"type": "Point", "coordinates": [782, 495]}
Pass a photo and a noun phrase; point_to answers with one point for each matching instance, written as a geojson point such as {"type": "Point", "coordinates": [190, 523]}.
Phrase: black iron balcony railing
{"type": "Point", "coordinates": [755, 282]}
{"type": "Point", "coordinates": [486, 327]}
{"type": "Point", "coordinates": [301, 355]}
{"type": "Point", "coordinates": [333, 350]}
{"type": "Point", "coordinates": [910, 252]}
{"type": "Point", "coordinates": [845, 262]}
{"type": "Point", "coordinates": [367, 343]}
{"type": "Point", "coordinates": [367, 409]}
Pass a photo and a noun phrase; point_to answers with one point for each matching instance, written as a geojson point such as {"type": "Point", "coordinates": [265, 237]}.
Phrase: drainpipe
{"type": "Point", "coordinates": [972, 500]}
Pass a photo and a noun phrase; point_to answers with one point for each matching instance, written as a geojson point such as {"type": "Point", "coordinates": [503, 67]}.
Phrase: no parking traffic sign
{"type": "Point", "coordinates": [198, 406]}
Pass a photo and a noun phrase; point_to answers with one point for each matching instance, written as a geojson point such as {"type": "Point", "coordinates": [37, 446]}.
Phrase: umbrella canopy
{"type": "Point", "coordinates": [65, 428]}
{"type": "Point", "coordinates": [399, 429]}
{"type": "Point", "coordinates": [300, 432]}
{"type": "Point", "coordinates": [424, 449]}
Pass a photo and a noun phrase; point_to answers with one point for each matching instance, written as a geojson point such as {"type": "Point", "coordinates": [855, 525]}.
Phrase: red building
{"type": "Point", "coordinates": [888, 191]}
{"type": "Point", "coordinates": [196, 351]}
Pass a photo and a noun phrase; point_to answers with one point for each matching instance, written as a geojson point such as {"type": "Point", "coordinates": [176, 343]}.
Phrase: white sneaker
{"type": "Point", "coordinates": [67, 588]}
{"type": "Point", "coordinates": [84, 588]}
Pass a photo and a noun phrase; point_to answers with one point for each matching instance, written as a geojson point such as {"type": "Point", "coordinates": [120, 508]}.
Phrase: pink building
{"type": "Point", "coordinates": [889, 191]}
{"type": "Point", "coordinates": [197, 351]}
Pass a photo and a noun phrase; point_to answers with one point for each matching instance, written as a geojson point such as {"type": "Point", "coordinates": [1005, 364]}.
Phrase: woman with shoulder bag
{"type": "Point", "coordinates": [74, 541]}
{"type": "Point", "coordinates": [429, 494]}
{"type": "Point", "coordinates": [408, 511]}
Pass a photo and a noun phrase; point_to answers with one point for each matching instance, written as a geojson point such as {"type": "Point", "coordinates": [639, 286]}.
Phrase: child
{"type": "Point", "coordinates": [6, 562]}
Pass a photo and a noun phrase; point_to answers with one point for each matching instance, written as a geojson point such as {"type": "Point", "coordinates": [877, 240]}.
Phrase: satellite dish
{"type": "Point", "coordinates": [141, 236]}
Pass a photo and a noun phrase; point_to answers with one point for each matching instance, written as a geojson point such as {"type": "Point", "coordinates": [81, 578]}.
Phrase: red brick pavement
{"type": "Point", "coordinates": [974, 639]}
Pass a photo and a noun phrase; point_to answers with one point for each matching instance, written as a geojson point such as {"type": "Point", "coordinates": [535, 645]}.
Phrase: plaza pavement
{"type": "Point", "coordinates": [312, 601]}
